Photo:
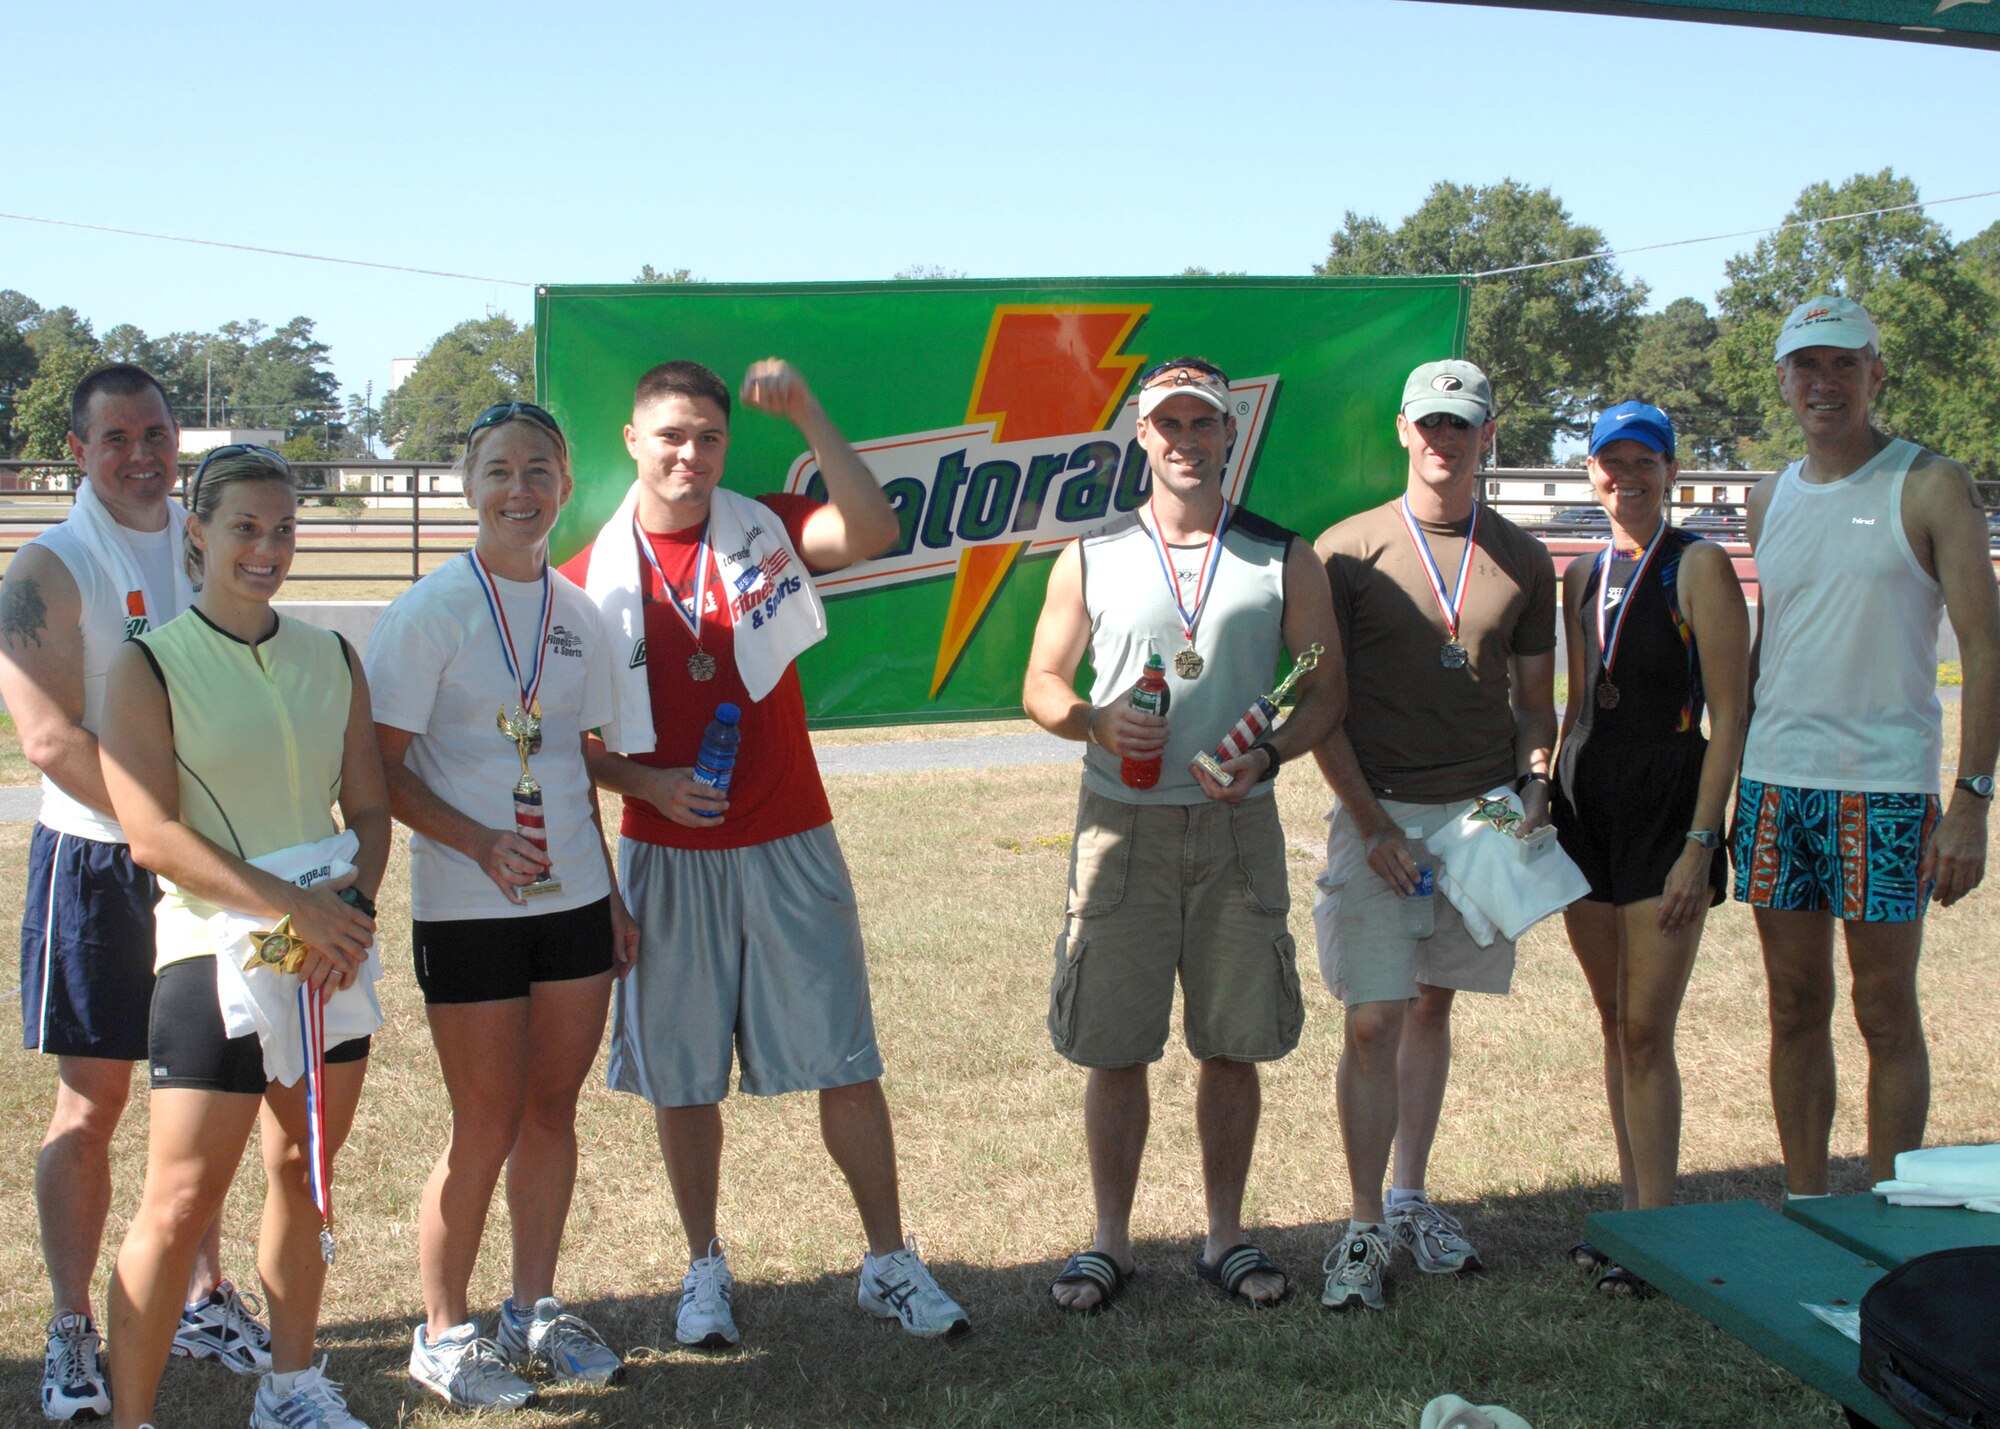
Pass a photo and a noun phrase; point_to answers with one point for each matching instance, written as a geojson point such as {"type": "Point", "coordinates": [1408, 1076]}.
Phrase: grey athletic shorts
{"type": "Point", "coordinates": [751, 952]}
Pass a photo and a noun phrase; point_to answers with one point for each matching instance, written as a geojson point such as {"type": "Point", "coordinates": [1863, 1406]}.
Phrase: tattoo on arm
{"type": "Point", "coordinates": [23, 613]}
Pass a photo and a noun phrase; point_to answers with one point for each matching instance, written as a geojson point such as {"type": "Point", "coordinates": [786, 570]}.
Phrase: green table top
{"type": "Point", "coordinates": [1889, 1235]}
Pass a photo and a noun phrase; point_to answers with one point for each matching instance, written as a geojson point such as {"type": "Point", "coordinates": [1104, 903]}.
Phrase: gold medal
{"type": "Point", "coordinates": [1188, 664]}
{"type": "Point", "coordinates": [701, 666]}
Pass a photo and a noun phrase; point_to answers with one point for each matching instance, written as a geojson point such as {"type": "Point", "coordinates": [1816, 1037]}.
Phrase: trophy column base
{"type": "Point", "coordinates": [539, 887]}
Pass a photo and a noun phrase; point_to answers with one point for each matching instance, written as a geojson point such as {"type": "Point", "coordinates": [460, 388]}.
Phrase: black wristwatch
{"type": "Point", "coordinates": [1276, 760]}
{"type": "Point", "coordinates": [1980, 784]}
{"type": "Point", "coordinates": [1710, 839]}
{"type": "Point", "coordinates": [1521, 784]}
{"type": "Point", "coordinates": [355, 898]}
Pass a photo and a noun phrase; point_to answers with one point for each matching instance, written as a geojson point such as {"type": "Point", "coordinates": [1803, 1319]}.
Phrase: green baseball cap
{"type": "Point", "coordinates": [1454, 387]}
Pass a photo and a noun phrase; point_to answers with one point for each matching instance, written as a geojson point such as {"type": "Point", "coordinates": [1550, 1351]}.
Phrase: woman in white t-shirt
{"type": "Point", "coordinates": [485, 675]}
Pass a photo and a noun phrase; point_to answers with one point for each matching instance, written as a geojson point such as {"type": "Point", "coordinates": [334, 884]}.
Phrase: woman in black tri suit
{"type": "Point", "coordinates": [1640, 793]}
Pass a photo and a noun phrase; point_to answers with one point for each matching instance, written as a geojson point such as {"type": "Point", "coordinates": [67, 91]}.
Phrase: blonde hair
{"type": "Point", "coordinates": [219, 472]}
{"type": "Point", "coordinates": [467, 464]}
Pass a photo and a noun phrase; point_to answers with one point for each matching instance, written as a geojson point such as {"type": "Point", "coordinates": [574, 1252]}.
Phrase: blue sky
{"type": "Point", "coordinates": [786, 141]}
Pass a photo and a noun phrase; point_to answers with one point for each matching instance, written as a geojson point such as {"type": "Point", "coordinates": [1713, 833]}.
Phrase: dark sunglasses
{"type": "Point", "coordinates": [233, 449]}
{"type": "Point", "coordinates": [1437, 419]}
{"type": "Point", "coordinates": [1184, 372]}
{"type": "Point", "coordinates": [507, 411]}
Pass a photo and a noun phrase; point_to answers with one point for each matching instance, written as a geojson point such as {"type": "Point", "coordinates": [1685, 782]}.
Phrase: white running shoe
{"type": "Point", "coordinates": [73, 1385]}
{"type": "Point", "coordinates": [469, 1371]}
{"type": "Point", "coordinates": [563, 1343]}
{"type": "Point", "coordinates": [1354, 1272]}
{"type": "Point", "coordinates": [706, 1319]}
{"type": "Point", "coordinates": [225, 1327]}
{"type": "Point", "coordinates": [314, 1403]}
{"type": "Point", "coordinates": [1433, 1238]}
{"type": "Point", "coordinates": [899, 1286]}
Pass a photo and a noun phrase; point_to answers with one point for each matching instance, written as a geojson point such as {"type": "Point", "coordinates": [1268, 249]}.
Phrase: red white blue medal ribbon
{"type": "Point", "coordinates": [312, 1038]}
{"type": "Point", "coordinates": [1451, 603]}
{"type": "Point", "coordinates": [1611, 629]}
{"type": "Point", "coordinates": [527, 685]}
{"type": "Point", "coordinates": [690, 614]}
{"type": "Point", "coordinates": [1204, 579]}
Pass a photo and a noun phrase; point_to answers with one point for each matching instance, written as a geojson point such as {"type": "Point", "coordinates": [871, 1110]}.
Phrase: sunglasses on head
{"type": "Point", "coordinates": [233, 449]}
{"type": "Point", "coordinates": [1184, 372]}
{"type": "Point", "coordinates": [507, 411]}
{"type": "Point", "coordinates": [1437, 419]}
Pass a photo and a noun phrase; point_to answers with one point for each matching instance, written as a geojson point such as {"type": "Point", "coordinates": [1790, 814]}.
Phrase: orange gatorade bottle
{"type": "Point", "coordinates": [1152, 696]}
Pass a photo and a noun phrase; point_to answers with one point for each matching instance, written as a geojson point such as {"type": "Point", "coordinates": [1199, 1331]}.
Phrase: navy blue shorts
{"type": "Point", "coordinates": [86, 949]}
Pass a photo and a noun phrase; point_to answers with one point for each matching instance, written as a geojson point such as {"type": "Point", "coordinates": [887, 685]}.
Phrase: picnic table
{"type": "Point", "coordinates": [1750, 1271]}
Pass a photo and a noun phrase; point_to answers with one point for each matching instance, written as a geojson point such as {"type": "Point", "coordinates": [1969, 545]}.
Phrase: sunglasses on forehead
{"type": "Point", "coordinates": [271, 458]}
{"type": "Point", "coordinates": [1184, 372]}
{"type": "Point", "coordinates": [1437, 419]}
{"type": "Point", "coordinates": [507, 411]}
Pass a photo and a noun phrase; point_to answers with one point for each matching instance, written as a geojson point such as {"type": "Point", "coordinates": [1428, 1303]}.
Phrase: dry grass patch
{"type": "Point", "coordinates": [961, 879]}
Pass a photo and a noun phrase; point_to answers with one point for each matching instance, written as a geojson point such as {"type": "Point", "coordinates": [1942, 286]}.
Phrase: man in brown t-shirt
{"type": "Point", "coordinates": [1448, 616]}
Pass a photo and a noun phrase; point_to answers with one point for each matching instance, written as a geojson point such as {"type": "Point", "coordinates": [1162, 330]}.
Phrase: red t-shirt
{"type": "Point", "coordinates": [776, 791]}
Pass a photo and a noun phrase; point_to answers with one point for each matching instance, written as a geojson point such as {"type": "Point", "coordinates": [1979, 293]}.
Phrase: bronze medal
{"type": "Point", "coordinates": [701, 666]}
{"type": "Point", "coordinates": [1188, 664]}
{"type": "Point", "coordinates": [1607, 695]}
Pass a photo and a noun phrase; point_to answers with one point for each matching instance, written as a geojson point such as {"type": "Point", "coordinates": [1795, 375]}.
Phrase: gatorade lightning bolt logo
{"type": "Point", "coordinates": [1047, 451]}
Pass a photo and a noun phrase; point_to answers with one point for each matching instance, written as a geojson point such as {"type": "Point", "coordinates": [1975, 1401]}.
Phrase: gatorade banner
{"type": "Point", "coordinates": [1943, 22]}
{"type": "Point", "coordinates": [999, 418]}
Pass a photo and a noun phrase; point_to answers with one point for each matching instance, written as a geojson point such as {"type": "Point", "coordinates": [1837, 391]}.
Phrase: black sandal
{"type": "Point", "coordinates": [1238, 1265]}
{"type": "Point", "coordinates": [1092, 1267]}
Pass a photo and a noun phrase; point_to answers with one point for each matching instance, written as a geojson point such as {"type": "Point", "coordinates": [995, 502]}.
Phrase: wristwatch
{"type": "Point", "coordinates": [1531, 777]}
{"type": "Point", "coordinates": [1709, 839]}
{"type": "Point", "coordinates": [1980, 784]}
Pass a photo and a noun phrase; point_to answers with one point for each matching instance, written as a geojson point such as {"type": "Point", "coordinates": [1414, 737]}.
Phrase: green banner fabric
{"type": "Point", "coordinates": [999, 418]}
{"type": "Point", "coordinates": [1973, 23]}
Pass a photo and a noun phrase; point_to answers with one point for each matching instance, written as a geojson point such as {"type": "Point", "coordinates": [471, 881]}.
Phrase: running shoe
{"type": "Point", "coordinates": [225, 1327]}
{"type": "Point", "coordinates": [1433, 1238]}
{"type": "Point", "coordinates": [706, 1320]}
{"type": "Point", "coordinates": [899, 1286]}
{"type": "Point", "coordinates": [563, 1343]}
{"type": "Point", "coordinates": [1354, 1272]}
{"type": "Point", "coordinates": [468, 1370]}
{"type": "Point", "coordinates": [314, 1403]}
{"type": "Point", "coordinates": [73, 1385]}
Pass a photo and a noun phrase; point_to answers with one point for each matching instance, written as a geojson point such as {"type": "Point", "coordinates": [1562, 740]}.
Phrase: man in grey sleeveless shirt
{"type": "Point", "coordinates": [1859, 546]}
{"type": "Point", "coordinates": [87, 928]}
{"type": "Point", "coordinates": [1185, 876]}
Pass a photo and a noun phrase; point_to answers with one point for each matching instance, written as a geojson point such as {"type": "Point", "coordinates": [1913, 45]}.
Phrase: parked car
{"type": "Point", "coordinates": [1725, 522]}
{"type": "Point", "coordinates": [1579, 520]}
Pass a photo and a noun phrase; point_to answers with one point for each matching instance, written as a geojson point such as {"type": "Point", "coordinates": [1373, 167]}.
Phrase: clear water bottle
{"type": "Point", "coordinates": [716, 764]}
{"type": "Point", "coordinates": [1420, 905]}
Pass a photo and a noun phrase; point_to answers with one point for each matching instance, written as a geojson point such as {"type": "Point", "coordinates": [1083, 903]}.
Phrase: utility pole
{"type": "Point", "coordinates": [208, 397]}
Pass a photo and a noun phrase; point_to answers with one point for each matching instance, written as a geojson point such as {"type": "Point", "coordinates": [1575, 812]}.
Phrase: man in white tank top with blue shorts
{"type": "Point", "coordinates": [1859, 547]}
{"type": "Point", "coordinates": [1185, 878]}
{"type": "Point", "coordinates": [72, 596]}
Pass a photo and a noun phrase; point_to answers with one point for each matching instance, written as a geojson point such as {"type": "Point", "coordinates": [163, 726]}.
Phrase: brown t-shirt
{"type": "Point", "coordinates": [1423, 733]}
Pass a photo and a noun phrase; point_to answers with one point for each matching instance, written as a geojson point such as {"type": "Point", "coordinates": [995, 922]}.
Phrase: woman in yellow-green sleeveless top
{"type": "Point", "coordinates": [230, 734]}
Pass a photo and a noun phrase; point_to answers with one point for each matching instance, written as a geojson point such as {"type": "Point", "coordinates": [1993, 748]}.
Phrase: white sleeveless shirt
{"type": "Point", "coordinates": [1847, 665]}
{"type": "Point", "coordinates": [110, 615]}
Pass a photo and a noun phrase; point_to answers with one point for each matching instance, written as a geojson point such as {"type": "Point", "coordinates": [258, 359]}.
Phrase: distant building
{"type": "Point", "coordinates": [1532, 495]}
{"type": "Point", "coordinates": [196, 440]}
{"type": "Point", "coordinates": [400, 369]}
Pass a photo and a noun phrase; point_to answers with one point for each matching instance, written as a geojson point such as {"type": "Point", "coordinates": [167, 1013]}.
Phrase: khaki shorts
{"type": "Point", "coordinates": [1157, 890]}
{"type": "Point", "coordinates": [1364, 955]}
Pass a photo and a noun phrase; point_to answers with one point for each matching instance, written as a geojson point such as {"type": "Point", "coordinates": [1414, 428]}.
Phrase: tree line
{"type": "Point", "coordinates": [1561, 331]}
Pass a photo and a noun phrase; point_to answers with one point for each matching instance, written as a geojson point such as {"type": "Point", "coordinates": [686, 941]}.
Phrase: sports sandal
{"type": "Point", "coordinates": [1238, 1265]}
{"type": "Point", "coordinates": [1585, 1256]}
{"type": "Point", "coordinates": [1618, 1283]}
{"type": "Point", "coordinates": [1092, 1267]}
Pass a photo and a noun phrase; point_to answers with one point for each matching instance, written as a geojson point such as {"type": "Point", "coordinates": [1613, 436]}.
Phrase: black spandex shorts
{"type": "Point", "coordinates": [493, 959]}
{"type": "Point", "coordinates": [189, 1047]}
{"type": "Point", "coordinates": [1623, 815]}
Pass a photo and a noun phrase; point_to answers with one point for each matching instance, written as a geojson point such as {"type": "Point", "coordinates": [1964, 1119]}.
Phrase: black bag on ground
{"type": "Point", "coordinates": [1930, 1339]}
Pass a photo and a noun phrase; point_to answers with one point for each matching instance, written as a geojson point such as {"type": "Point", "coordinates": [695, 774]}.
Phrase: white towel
{"type": "Point", "coordinates": [1967, 1176]}
{"type": "Point", "coordinates": [1498, 881]}
{"type": "Point", "coordinates": [751, 550]}
{"type": "Point", "coordinates": [264, 1000]}
{"type": "Point", "coordinates": [95, 526]}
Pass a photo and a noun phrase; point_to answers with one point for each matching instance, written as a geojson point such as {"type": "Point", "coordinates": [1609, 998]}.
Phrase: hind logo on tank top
{"type": "Point", "coordinates": [1862, 520]}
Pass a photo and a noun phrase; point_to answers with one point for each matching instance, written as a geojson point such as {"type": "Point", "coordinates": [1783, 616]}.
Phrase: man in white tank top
{"type": "Point", "coordinates": [1179, 875]}
{"type": "Point", "coordinates": [1859, 546]}
{"type": "Point", "coordinates": [87, 936]}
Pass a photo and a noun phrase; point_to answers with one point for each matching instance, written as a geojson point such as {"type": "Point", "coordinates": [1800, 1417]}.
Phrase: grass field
{"type": "Point", "coordinates": [961, 880]}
